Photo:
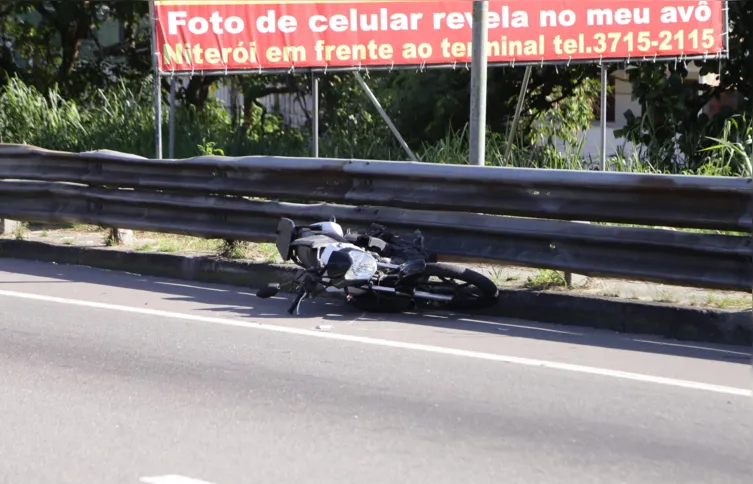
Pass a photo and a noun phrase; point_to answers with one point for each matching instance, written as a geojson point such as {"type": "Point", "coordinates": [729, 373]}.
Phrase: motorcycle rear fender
{"type": "Point", "coordinates": [285, 231]}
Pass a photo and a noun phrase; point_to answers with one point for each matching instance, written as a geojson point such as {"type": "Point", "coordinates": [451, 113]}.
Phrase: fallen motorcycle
{"type": "Point", "coordinates": [375, 270]}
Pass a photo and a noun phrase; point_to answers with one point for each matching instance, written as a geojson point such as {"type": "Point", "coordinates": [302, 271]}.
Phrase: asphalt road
{"type": "Point", "coordinates": [117, 378]}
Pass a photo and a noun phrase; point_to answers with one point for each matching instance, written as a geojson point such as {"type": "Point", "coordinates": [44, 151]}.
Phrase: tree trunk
{"type": "Point", "coordinates": [72, 39]}
{"type": "Point", "coordinates": [197, 90]}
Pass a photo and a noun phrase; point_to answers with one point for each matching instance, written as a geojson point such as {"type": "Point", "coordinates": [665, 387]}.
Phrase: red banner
{"type": "Point", "coordinates": [231, 35]}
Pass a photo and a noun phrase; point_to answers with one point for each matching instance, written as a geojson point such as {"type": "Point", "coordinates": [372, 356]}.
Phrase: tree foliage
{"type": "Point", "coordinates": [429, 104]}
{"type": "Point", "coordinates": [48, 43]}
{"type": "Point", "coordinates": [670, 126]}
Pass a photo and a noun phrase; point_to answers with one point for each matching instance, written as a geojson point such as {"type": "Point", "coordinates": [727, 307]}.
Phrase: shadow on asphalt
{"type": "Point", "coordinates": [243, 302]}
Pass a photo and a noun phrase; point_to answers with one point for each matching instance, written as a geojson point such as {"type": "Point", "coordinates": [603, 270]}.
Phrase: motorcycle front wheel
{"type": "Point", "coordinates": [469, 289]}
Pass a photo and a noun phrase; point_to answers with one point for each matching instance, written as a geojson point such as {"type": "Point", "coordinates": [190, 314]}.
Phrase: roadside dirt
{"type": "Point", "coordinates": [504, 276]}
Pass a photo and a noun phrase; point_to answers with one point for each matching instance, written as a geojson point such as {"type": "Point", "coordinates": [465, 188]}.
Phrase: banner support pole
{"type": "Point", "coordinates": [384, 115]}
{"type": "Point", "coordinates": [171, 149]}
{"type": "Point", "coordinates": [518, 110]}
{"type": "Point", "coordinates": [603, 120]}
{"type": "Point", "coordinates": [157, 85]}
{"type": "Point", "coordinates": [478, 82]}
{"type": "Point", "coordinates": [314, 115]}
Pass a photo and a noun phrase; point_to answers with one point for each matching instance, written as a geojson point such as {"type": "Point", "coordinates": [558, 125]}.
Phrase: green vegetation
{"type": "Point", "coordinates": [67, 82]}
{"type": "Point", "coordinates": [546, 279]}
{"type": "Point", "coordinates": [20, 230]}
{"type": "Point", "coordinates": [121, 119]}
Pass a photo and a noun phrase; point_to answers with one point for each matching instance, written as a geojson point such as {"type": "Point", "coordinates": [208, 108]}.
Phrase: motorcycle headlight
{"type": "Point", "coordinates": [363, 266]}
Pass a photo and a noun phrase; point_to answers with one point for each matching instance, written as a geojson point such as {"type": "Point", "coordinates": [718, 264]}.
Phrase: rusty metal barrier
{"type": "Point", "coordinates": [699, 202]}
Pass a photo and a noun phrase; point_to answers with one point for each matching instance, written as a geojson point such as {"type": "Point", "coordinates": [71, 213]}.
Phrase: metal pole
{"type": "Point", "coordinates": [172, 118]}
{"type": "Point", "coordinates": [478, 82]}
{"type": "Point", "coordinates": [314, 115]}
{"type": "Point", "coordinates": [518, 110]}
{"type": "Point", "coordinates": [603, 120]}
{"type": "Point", "coordinates": [157, 85]}
{"type": "Point", "coordinates": [384, 115]}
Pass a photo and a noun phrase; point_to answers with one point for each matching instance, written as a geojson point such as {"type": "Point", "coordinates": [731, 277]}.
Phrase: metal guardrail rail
{"type": "Point", "coordinates": [700, 202]}
{"type": "Point", "coordinates": [458, 208]}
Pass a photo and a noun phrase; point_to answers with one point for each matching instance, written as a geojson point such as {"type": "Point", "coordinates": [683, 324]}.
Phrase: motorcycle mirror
{"type": "Point", "coordinates": [268, 291]}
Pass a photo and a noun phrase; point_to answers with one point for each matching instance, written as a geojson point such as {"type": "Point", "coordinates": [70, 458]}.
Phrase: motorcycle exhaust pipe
{"type": "Point", "coordinates": [391, 290]}
{"type": "Point", "coordinates": [433, 297]}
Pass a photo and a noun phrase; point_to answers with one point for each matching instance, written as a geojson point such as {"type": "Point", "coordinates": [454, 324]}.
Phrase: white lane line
{"type": "Point", "coordinates": [694, 347]}
{"type": "Point", "coordinates": [171, 479]}
{"type": "Point", "coordinates": [521, 326]}
{"type": "Point", "coordinates": [189, 286]}
{"type": "Point", "coordinates": [393, 344]}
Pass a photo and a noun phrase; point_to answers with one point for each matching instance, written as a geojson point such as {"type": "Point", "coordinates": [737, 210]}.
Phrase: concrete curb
{"type": "Point", "coordinates": [675, 322]}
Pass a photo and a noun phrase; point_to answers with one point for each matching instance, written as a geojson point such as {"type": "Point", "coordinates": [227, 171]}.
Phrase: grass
{"type": "Point", "coordinates": [546, 279]}
{"type": "Point", "coordinates": [111, 240]}
{"type": "Point", "coordinates": [169, 246]}
{"type": "Point", "coordinates": [175, 243]}
{"type": "Point", "coordinates": [733, 152]}
{"type": "Point", "coordinates": [226, 249]}
{"type": "Point", "coordinates": [497, 275]}
{"type": "Point", "coordinates": [160, 242]}
{"type": "Point", "coordinates": [20, 230]}
{"type": "Point", "coordinates": [728, 302]}
{"type": "Point", "coordinates": [184, 244]}
{"type": "Point", "coordinates": [664, 296]}
{"type": "Point", "coordinates": [122, 119]}
{"type": "Point", "coordinates": [233, 249]}
{"type": "Point", "coordinates": [266, 252]}
{"type": "Point", "coordinates": [144, 247]}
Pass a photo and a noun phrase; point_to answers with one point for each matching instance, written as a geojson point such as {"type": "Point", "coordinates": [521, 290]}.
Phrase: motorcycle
{"type": "Point", "coordinates": [375, 270]}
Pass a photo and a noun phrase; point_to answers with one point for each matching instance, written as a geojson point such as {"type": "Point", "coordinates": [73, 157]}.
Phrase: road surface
{"type": "Point", "coordinates": [118, 378]}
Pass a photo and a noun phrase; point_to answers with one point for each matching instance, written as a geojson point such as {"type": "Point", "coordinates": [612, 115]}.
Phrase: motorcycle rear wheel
{"type": "Point", "coordinates": [470, 289]}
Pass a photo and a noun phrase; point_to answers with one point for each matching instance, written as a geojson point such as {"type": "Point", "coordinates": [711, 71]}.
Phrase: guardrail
{"type": "Point", "coordinates": [466, 213]}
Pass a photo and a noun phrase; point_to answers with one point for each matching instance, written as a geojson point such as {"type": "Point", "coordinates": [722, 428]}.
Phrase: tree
{"type": "Point", "coordinates": [426, 105]}
{"type": "Point", "coordinates": [57, 42]}
{"type": "Point", "coordinates": [670, 124]}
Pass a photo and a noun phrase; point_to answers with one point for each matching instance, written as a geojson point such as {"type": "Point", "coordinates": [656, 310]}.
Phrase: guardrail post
{"type": "Point", "coordinates": [8, 227]}
{"type": "Point", "coordinates": [569, 279]}
{"type": "Point", "coordinates": [120, 237]}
